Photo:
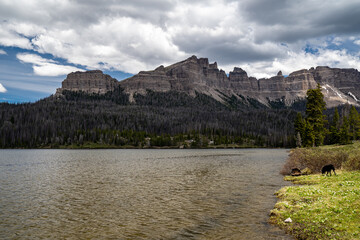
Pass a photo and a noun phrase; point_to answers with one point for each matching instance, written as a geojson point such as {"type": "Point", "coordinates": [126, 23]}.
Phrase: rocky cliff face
{"type": "Point", "coordinates": [190, 76]}
{"type": "Point", "coordinates": [90, 82]}
{"type": "Point", "coordinates": [198, 75]}
{"type": "Point", "coordinates": [339, 82]}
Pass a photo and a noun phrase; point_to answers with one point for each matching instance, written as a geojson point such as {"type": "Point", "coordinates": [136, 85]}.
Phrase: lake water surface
{"type": "Point", "coordinates": [139, 194]}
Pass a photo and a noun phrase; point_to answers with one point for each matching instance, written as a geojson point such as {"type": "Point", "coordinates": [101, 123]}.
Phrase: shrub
{"type": "Point", "coordinates": [316, 158]}
{"type": "Point", "coordinates": [353, 163]}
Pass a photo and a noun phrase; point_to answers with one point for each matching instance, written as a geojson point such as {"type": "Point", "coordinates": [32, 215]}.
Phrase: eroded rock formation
{"type": "Point", "coordinates": [90, 82]}
{"type": "Point", "coordinates": [198, 75]}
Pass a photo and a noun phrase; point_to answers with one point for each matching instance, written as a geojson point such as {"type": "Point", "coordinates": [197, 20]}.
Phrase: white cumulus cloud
{"type": "Point", "coordinates": [46, 67]}
{"type": "Point", "coordinates": [302, 60]}
{"type": "Point", "coordinates": [9, 37]}
{"type": "Point", "coordinates": [2, 89]}
{"type": "Point", "coordinates": [119, 43]}
{"type": "Point", "coordinates": [357, 42]}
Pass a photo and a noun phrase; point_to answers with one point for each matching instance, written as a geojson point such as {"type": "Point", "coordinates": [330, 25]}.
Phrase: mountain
{"type": "Point", "coordinates": [191, 103]}
{"type": "Point", "coordinates": [90, 81]}
{"type": "Point", "coordinates": [197, 75]}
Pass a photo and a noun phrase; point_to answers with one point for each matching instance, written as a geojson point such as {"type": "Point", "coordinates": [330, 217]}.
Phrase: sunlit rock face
{"type": "Point", "coordinates": [191, 75]}
{"type": "Point", "coordinates": [90, 82]}
{"type": "Point", "coordinates": [197, 75]}
{"type": "Point", "coordinates": [339, 85]}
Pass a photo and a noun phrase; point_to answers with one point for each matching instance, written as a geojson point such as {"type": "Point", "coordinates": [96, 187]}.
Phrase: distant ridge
{"type": "Point", "coordinates": [197, 75]}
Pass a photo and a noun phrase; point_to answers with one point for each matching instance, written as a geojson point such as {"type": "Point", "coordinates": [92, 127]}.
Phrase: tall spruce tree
{"type": "Point", "coordinates": [334, 128]}
{"type": "Point", "coordinates": [345, 131]}
{"type": "Point", "coordinates": [299, 123]}
{"type": "Point", "coordinates": [309, 136]}
{"type": "Point", "coordinates": [298, 140]}
{"type": "Point", "coordinates": [299, 126]}
{"type": "Point", "coordinates": [315, 105]}
{"type": "Point", "coordinates": [354, 123]}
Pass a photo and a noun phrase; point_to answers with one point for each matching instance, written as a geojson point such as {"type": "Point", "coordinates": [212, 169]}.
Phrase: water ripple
{"type": "Point", "coordinates": [132, 194]}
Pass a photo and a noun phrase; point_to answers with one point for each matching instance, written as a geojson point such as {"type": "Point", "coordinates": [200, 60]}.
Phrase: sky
{"type": "Point", "coordinates": [42, 41]}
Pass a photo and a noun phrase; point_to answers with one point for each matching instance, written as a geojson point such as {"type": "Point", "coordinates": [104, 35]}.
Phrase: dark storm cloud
{"type": "Point", "coordinates": [290, 21]}
{"type": "Point", "coordinates": [227, 49]}
{"type": "Point", "coordinates": [230, 53]}
{"type": "Point", "coordinates": [266, 12]}
{"type": "Point", "coordinates": [345, 19]}
{"type": "Point", "coordinates": [81, 13]}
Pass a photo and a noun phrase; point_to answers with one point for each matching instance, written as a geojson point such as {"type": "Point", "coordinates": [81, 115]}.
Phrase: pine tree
{"type": "Point", "coordinates": [298, 139]}
{"type": "Point", "coordinates": [354, 123]}
{"type": "Point", "coordinates": [344, 131]}
{"type": "Point", "coordinates": [315, 106]}
{"type": "Point", "coordinates": [334, 128]}
{"type": "Point", "coordinates": [299, 124]}
{"type": "Point", "coordinates": [309, 136]}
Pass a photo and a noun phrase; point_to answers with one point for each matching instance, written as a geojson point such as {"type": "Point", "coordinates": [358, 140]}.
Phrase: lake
{"type": "Point", "coordinates": [139, 194]}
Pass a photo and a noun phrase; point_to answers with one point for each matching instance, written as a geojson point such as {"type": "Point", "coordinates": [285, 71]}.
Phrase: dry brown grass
{"type": "Point", "coordinates": [345, 157]}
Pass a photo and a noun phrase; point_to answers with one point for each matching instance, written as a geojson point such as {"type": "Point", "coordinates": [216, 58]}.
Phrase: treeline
{"type": "Point", "coordinates": [316, 128]}
{"type": "Point", "coordinates": [156, 119]}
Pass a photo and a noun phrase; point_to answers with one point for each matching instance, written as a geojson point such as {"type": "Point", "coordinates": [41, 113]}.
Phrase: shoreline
{"type": "Point", "coordinates": [320, 207]}
{"type": "Point", "coordinates": [317, 206]}
{"type": "Point", "coordinates": [99, 146]}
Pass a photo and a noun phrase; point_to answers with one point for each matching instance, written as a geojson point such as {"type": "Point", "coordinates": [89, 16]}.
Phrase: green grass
{"type": "Point", "coordinates": [322, 207]}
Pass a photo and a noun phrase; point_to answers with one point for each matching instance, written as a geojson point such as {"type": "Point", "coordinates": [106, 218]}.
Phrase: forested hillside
{"type": "Point", "coordinates": [157, 119]}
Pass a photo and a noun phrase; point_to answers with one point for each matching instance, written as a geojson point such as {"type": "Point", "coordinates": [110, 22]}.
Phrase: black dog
{"type": "Point", "coordinates": [295, 172]}
{"type": "Point", "coordinates": [327, 169]}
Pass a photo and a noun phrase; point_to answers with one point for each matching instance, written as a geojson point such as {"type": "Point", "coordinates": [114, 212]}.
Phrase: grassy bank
{"type": "Point", "coordinates": [346, 157]}
{"type": "Point", "coordinates": [321, 207]}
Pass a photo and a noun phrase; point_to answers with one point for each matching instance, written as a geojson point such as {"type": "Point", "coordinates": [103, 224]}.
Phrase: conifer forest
{"type": "Point", "coordinates": [171, 119]}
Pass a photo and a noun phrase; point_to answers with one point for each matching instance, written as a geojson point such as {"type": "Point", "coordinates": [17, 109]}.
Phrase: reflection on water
{"type": "Point", "coordinates": [139, 194]}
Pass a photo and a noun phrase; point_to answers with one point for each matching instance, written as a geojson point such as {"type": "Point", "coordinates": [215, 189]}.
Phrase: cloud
{"type": "Point", "coordinates": [139, 35]}
{"type": "Point", "coordinates": [10, 38]}
{"type": "Point", "coordinates": [2, 52]}
{"type": "Point", "coordinates": [2, 89]}
{"type": "Point", "coordinates": [303, 60]}
{"type": "Point", "coordinates": [292, 21]}
{"type": "Point", "coordinates": [122, 44]}
{"type": "Point", "coordinates": [45, 67]}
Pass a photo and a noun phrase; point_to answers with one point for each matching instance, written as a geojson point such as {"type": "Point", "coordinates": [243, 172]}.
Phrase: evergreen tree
{"type": "Point", "coordinates": [298, 140]}
{"type": "Point", "coordinates": [334, 128]}
{"type": "Point", "coordinates": [315, 106]}
{"type": "Point", "coordinates": [309, 136]}
{"type": "Point", "coordinates": [344, 131]}
{"type": "Point", "coordinates": [354, 123]}
{"type": "Point", "coordinates": [299, 124]}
